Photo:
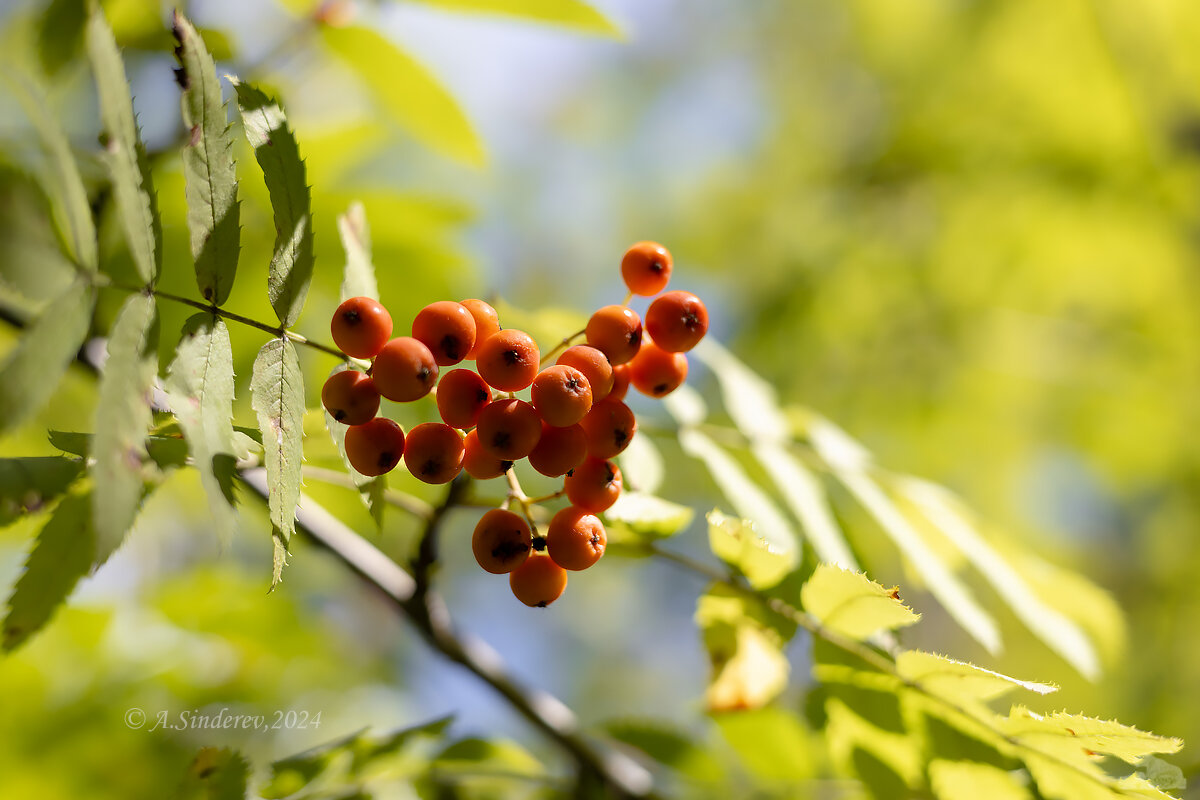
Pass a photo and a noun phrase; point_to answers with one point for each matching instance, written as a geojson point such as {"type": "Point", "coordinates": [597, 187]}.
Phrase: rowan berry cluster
{"type": "Point", "coordinates": [572, 424]}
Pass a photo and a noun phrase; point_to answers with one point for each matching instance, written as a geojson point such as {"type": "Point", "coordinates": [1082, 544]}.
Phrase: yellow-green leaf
{"type": "Point", "coordinates": [737, 543]}
{"type": "Point", "coordinates": [567, 13]}
{"type": "Point", "coordinates": [954, 780]}
{"type": "Point", "coordinates": [646, 517]}
{"type": "Point", "coordinates": [852, 604]}
{"type": "Point", "coordinates": [1076, 733]}
{"type": "Point", "coordinates": [958, 680]}
{"type": "Point", "coordinates": [749, 668]}
{"type": "Point", "coordinates": [359, 276]}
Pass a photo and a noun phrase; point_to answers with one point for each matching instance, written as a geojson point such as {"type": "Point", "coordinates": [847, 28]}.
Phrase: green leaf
{"type": "Point", "coordinates": [668, 746]}
{"type": "Point", "coordinates": [277, 396]}
{"type": "Point", "coordinates": [407, 92]}
{"type": "Point", "coordinates": [737, 543]}
{"type": "Point", "coordinates": [567, 13]}
{"type": "Point", "coordinates": [208, 166]}
{"type": "Point", "coordinates": [1072, 733]}
{"type": "Point", "coordinates": [28, 484]}
{"type": "Point", "coordinates": [61, 555]}
{"type": "Point", "coordinates": [852, 604]}
{"type": "Point", "coordinates": [61, 179]}
{"type": "Point", "coordinates": [1161, 774]}
{"type": "Point", "coordinates": [200, 387]}
{"type": "Point", "coordinates": [772, 744]}
{"type": "Point", "coordinates": [644, 517]}
{"type": "Point", "coordinates": [34, 367]}
{"type": "Point", "coordinates": [60, 33]}
{"type": "Point", "coordinates": [168, 452]}
{"type": "Point", "coordinates": [745, 648]}
{"type": "Point", "coordinates": [960, 681]}
{"type": "Point", "coordinates": [278, 155]}
{"type": "Point", "coordinates": [954, 780]}
{"type": "Point", "coordinates": [884, 760]}
{"type": "Point", "coordinates": [220, 772]}
{"type": "Point", "coordinates": [475, 755]}
{"type": "Point", "coordinates": [370, 489]}
{"type": "Point", "coordinates": [122, 418]}
{"type": "Point", "coordinates": [359, 276]}
{"type": "Point", "coordinates": [641, 465]}
{"type": "Point", "coordinates": [133, 189]}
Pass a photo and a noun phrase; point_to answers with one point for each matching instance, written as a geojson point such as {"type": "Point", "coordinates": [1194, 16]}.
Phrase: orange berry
{"type": "Point", "coordinates": [350, 397]}
{"type": "Point", "coordinates": [487, 322]}
{"type": "Point", "coordinates": [575, 539]}
{"type": "Point", "coordinates": [561, 394]}
{"type": "Point", "coordinates": [361, 326]}
{"type": "Point", "coordinates": [508, 360]}
{"type": "Point", "coordinates": [646, 268]}
{"type": "Point", "coordinates": [509, 429]}
{"type": "Point", "coordinates": [594, 485]}
{"type": "Point", "coordinates": [501, 541]}
{"type": "Point", "coordinates": [615, 331]}
{"type": "Point", "coordinates": [538, 581]}
{"type": "Point", "coordinates": [609, 426]}
{"type": "Point", "coordinates": [461, 395]}
{"type": "Point", "coordinates": [479, 463]}
{"type": "Point", "coordinates": [594, 366]}
{"type": "Point", "coordinates": [375, 447]}
{"type": "Point", "coordinates": [433, 452]}
{"type": "Point", "coordinates": [447, 329]}
{"type": "Point", "coordinates": [621, 379]}
{"type": "Point", "coordinates": [655, 372]}
{"type": "Point", "coordinates": [559, 451]}
{"type": "Point", "coordinates": [677, 321]}
{"type": "Point", "coordinates": [404, 370]}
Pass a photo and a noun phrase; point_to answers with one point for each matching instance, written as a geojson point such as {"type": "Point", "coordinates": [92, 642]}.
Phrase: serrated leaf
{"type": "Point", "coordinates": [772, 744]}
{"type": "Point", "coordinates": [208, 166]}
{"type": "Point", "coordinates": [221, 773]}
{"type": "Point", "coordinates": [277, 396]}
{"type": "Point", "coordinates": [749, 668]}
{"type": "Point", "coordinates": [168, 452]}
{"type": "Point", "coordinates": [641, 465]}
{"type": "Point", "coordinates": [61, 179]}
{"type": "Point", "coordinates": [200, 385]}
{"type": "Point", "coordinates": [278, 155]}
{"type": "Point", "coordinates": [567, 13]}
{"type": "Point", "coordinates": [646, 517]}
{"type": "Point", "coordinates": [958, 680]}
{"type": "Point", "coordinates": [61, 555]}
{"type": "Point", "coordinates": [370, 489]}
{"type": "Point", "coordinates": [133, 189]}
{"type": "Point", "coordinates": [122, 418]}
{"type": "Point", "coordinates": [954, 780]}
{"type": "Point", "coordinates": [359, 276]}
{"type": "Point", "coordinates": [34, 367]}
{"type": "Point", "coordinates": [1058, 632]}
{"type": "Point", "coordinates": [849, 734]}
{"type": "Point", "coordinates": [1073, 733]}
{"type": "Point", "coordinates": [28, 484]}
{"type": "Point", "coordinates": [852, 604]}
{"type": "Point", "coordinates": [737, 543]}
{"type": "Point", "coordinates": [407, 92]}
{"type": "Point", "coordinates": [1161, 774]}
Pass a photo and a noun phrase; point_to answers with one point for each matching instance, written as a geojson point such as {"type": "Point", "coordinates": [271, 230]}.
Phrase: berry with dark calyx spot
{"type": "Point", "coordinates": [479, 463]}
{"type": "Point", "coordinates": [375, 447]}
{"type": "Point", "coordinates": [561, 395]}
{"type": "Point", "coordinates": [646, 268]}
{"type": "Point", "coordinates": [609, 426]}
{"type": "Point", "coordinates": [575, 538]}
{"type": "Point", "coordinates": [461, 395]}
{"type": "Point", "coordinates": [433, 452]}
{"type": "Point", "coordinates": [509, 429]}
{"type": "Point", "coordinates": [594, 485]}
{"type": "Point", "coordinates": [508, 360]}
{"type": "Point", "coordinates": [487, 322]}
{"type": "Point", "coordinates": [657, 373]}
{"type": "Point", "coordinates": [615, 331]}
{"type": "Point", "coordinates": [350, 397]}
{"type": "Point", "coordinates": [447, 329]}
{"type": "Point", "coordinates": [501, 541]}
{"type": "Point", "coordinates": [677, 321]}
{"type": "Point", "coordinates": [538, 582]}
{"type": "Point", "coordinates": [404, 370]}
{"type": "Point", "coordinates": [559, 451]}
{"type": "Point", "coordinates": [361, 326]}
{"type": "Point", "coordinates": [594, 366]}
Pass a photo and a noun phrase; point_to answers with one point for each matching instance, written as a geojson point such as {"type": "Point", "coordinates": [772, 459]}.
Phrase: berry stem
{"type": "Point", "coordinates": [515, 492]}
{"type": "Point", "coordinates": [533, 501]}
{"type": "Point", "coordinates": [628, 299]}
{"type": "Point", "coordinates": [563, 345]}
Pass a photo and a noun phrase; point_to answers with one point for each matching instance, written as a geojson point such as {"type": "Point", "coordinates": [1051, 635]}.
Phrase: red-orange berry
{"type": "Point", "coordinates": [655, 372]}
{"type": "Point", "coordinates": [559, 451]}
{"type": "Point", "coordinates": [646, 268]}
{"type": "Point", "coordinates": [404, 370]}
{"type": "Point", "coordinates": [508, 360]}
{"type": "Point", "coordinates": [677, 321]}
{"type": "Point", "coordinates": [575, 539]}
{"type": "Point", "coordinates": [433, 452]}
{"type": "Point", "coordinates": [594, 366]}
{"type": "Point", "coordinates": [447, 329]}
{"type": "Point", "coordinates": [501, 541]}
{"type": "Point", "coordinates": [350, 397]}
{"type": "Point", "coordinates": [375, 447]}
{"type": "Point", "coordinates": [621, 379]}
{"type": "Point", "coordinates": [594, 485]}
{"type": "Point", "coordinates": [609, 426]}
{"type": "Point", "coordinates": [509, 429]}
{"type": "Point", "coordinates": [461, 395]}
{"type": "Point", "coordinates": [479, 463]}
{"type": "Point", "coordinates": [538, 581]}
{"type": "Point", "coordinates": [615, 331]}
{"type": "Point", "coordinates": [487, 322]}
{"type": "Point", "coordinates": [361, 326]}
{"type": "Point", "coordinates": [561, 394]}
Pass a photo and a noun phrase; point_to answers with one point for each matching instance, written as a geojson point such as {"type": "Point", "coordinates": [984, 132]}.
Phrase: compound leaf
{"type": "Point", "coordinates": [27, 484]}
{"type": "Point", "coordinates": [852, 604]}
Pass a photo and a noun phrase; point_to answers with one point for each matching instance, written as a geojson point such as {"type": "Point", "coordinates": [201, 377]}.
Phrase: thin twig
{"type": "Point", "coordinates": [410, 503]}
{"type": "Point", "coordinates": [563, 345]}
{"type": "Point", "coordinates": [427, 550]}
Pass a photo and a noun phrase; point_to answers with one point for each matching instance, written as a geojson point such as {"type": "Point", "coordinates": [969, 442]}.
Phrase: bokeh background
{"type": "Point", "coordinates": [965, 230]}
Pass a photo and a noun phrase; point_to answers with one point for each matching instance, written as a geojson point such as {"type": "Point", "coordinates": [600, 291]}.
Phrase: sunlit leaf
{"type": "Point", "coordinates": [213, 209]}
{"type": "Point", "coordinates": [359, 276]}
{"type": "Point", "coordinates": [122, 419]}
{"type": "Point", "coordinates": [954, 780]}
{"type": "Point", "coordinates": [849, 737]}
{"type": "Point", "coordinates": [737, 543]}
{"type": "Point", "coordinates": [642, 465]}
{"type": "Point", "coordinates": [749, 668]}
{"type": "Point", "coordinates": [772, 744]}
{"type": "Point", "coordinates": [278, 155]}
{"type": "Point", "coordinates": [28, 484]}
{"type": "Point", "coordinates": [476, 755]}
{"type": "Point", "coordinates": [133, 190]}
{"type": "Point", "coordinates": [1074, 733]}
{"type": "Point", "coordinates": [573, 14]}
{"type": "Point", "coordinates": [646, 517]}
{"type": "Point", "coordinates": [406, 91]}
{"type": "Point", "coordinates": [852, 604]}
{"type": "Point", "coordinates": [277, 396]}
{"type": "Point", "coordinates": [221, 772]}
{"type": "Point", "coordinates": [957, 680]}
